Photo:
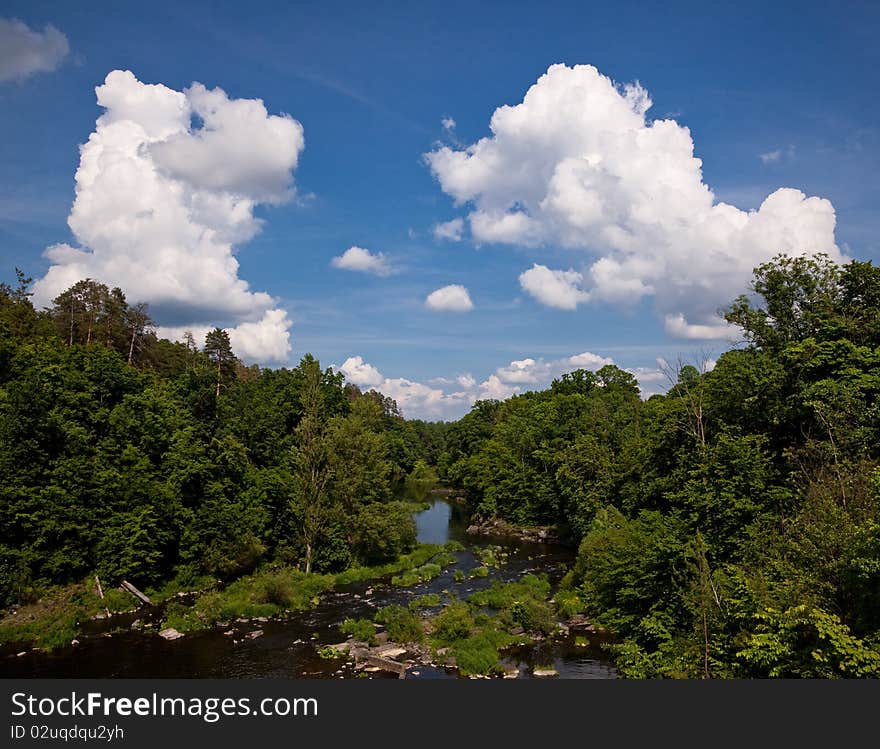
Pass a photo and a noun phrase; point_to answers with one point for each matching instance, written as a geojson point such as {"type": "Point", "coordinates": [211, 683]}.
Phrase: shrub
{"type": "Point", "coordinates": [275, 588]}
{"type": "Point", "coordinates": [361, 630]}
{"type": "Point", "coordinates": [402, 624]}
{"type": "Point", "coordinates": [453, 623]}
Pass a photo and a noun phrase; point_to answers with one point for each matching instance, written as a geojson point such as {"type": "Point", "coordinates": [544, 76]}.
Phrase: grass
{"type": "Point", "coordinates": [421, 555]}
{"type": "Point", "coordinates": [425, 601]}
{"type": "Point", "coordinates": [54, 619]}
{"type": "Point", "coordinates": [183, 582]}
{"type": "Point", "coordinates": [475, 632]}
{"type": "Point", "coordinates": [418, 575]}
{"type": "Point", "coordinates": [360, 630]}
{"type": "Point", "coordinates": [501, 595]}
{"type": "Point", "coordinates": [479, 572]}
{"type": "Point", "coordinates": [569, 603]}
{"type": "Point", "coordinates": [491, 555]}
{"type": "Point", "coordinates": [263, 594]}
{"type": "Point", "coordinates": [472, 638]}
{"type": "Point", "coordinates": [402, 624]}
{"type": "Point", "coordinates": [520, 604]}
{"type": "Point", "coordinates": [273, 592]}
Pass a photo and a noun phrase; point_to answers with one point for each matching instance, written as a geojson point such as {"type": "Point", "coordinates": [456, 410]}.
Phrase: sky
{"type": "Point", "coordinates": [444, 201]}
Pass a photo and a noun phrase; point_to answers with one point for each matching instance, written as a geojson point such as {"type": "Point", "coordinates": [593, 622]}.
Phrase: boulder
{"type": "Point", "coordinates": [170, 634]}
{"type": "Point", "coordinates": [390, 651]}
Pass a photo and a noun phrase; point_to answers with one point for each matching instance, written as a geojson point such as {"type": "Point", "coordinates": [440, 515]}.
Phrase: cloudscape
{"type": "Point", "coordinates": [568, 200]}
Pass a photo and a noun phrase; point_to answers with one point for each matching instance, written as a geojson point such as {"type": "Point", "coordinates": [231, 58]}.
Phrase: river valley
{"type": "Point", "coordinates": [288, 647]}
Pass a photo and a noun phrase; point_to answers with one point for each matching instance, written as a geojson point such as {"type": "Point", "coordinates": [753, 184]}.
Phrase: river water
{"type": "Point", "coordinates": [288, 648]}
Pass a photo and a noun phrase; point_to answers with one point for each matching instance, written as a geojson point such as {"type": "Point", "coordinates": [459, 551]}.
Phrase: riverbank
{"type": "Point", "coordinates": [62, 614]}
{"type": "Point", "coordinates": [501, 529]}
{"type": "Point", "coordinates": [472, 638]}
{"type": "Point", "coordinates": [295, 644]}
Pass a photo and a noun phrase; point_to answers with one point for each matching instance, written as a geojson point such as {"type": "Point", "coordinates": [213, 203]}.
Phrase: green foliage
{"type": "Point", "coordinates": [421, 480]}
{"type": "Point", "coordinates": [402, 624]}
{"type": "Point", "coordinates": [360, 630]}
{"type": "Point", "coordinates": [418, 575]}
{"type": "Point", "coordinates": [728, 528]}
{"type": "Point", "coordinates": [479, 654]}
{"type": "Point", "coordinates": [384, 531]}
{"type": "Point", "coordinates": [420, 556]}
{"type": "Point", "coordinates": [520, 604]}
{"type": "Point", "coordinates": [491, 555]}
{"type": "Point", "coordinates": [569, 603]}
{"type": "Point", "coordinates": [263, 594]}
{"type": "Point", "coordinates": [807, 643]}
{"type": "Point", "coordinates": [455, 622]}
{"type": "Point", "coordinates": [425, 601]}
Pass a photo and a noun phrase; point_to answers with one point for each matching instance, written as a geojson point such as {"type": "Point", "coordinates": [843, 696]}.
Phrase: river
{"type": "Point", "coordinates": [288, 647]}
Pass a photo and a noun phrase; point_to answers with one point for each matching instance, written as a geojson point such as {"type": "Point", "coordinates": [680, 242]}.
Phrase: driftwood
{"type": "Point", "coordinates": [127, 586]}
{"type": "Point", "coordinates": [101, 594]}
{"type": "Point", "coordinates": [386, 664]}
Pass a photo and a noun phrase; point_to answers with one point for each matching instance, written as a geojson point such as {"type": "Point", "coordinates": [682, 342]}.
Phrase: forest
{"type": "Point", "coordinates": [729, 528]}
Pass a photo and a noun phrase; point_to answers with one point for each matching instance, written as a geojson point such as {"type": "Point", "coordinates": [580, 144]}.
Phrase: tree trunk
{"type": "Point", "coordinates": [131, 346]}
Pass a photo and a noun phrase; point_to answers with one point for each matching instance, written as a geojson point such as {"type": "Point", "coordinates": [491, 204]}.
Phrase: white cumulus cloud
{"type": "Point", "coordinates": [453, 298]}
{"type": "Point", "coordinates": [554, 288]}
{"type": "Point", "coordinates": [25, 52]}
{"type": "Point", "coordinates": [161, 202]}
{"type": "Point", "coordinates": [578, 164]}
{"type": "Point", "coordinates": [363, 261]}
{"type": "Point", "coordinates": [443, 398]}
{"type": "Point", "coordinates": [357, 371]}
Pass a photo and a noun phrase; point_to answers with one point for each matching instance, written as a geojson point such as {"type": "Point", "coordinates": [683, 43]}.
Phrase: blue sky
{"type": "Point", "coordinates": [370, 85]}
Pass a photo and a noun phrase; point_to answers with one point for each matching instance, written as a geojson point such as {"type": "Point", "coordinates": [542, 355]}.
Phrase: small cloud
{"type": "Point", "coordinates": [448, 123]}
{"type": "Point", "coordinates": [25, 52]}
{"type": "Point", "coordinates": [363, 261]}
{"type": "Point", "coordinates": [453, 298]}
{"type": "Point", "coordinates": [780, 154]}
{"type": "Point", "coordinates": [450, 230]}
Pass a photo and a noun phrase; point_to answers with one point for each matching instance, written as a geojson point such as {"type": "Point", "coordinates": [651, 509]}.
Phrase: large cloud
{"type": "Point", "coordinates": [160, 204]}
{"type": "Point", "coordinates": [24, 52]}
{"type": "Point", "coordinates": [450, 399]}
{"type": "Point", "coordinates": [577, 164]}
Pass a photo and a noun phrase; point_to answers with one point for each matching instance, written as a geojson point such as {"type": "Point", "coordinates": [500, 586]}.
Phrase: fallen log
{"type": "Point", "coordinates": [386, 664]}
{"type": "Point", "coordinates": [127, 586]}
